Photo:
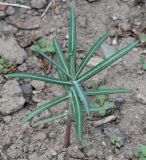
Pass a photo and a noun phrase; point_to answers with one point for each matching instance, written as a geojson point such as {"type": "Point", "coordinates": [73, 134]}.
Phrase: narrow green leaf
{"type": "Point", "coordinates": [92, 92]}
{"type": "Point", "coordinates": [61, 75]}
{"type": "Point", "coordinates": [79, 90]}
{"type": "Point", "coordinates": [90, 53]}
{"type": "Point", "coordinates": [60, 54]}
{"type": "Point", "coordinates": [78, 115]}
{"type": "Point", "coordinates": [72, 42]}
{"type": "Point", "coordinates": [39, 51]}
{"type": "Point", "coordinates": [47, 120]}
{"type": "Point", "coordinates": [107, 62]}
{"type": "Point", "coordinates": [38, 77]}
{"type": "Point", "coordinates": [42, 108]}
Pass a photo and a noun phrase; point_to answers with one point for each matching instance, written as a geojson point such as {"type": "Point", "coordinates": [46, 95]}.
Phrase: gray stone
{"type": "Point", "coordinates": [2, 15]}
{"type": "Point", "coordinates": [38, 4]}
{"type": "Point", "coordinates": [10, 11]}
{"type": "Point", "coordinates": [2, 79]}
{"type": "Point", "coordinates": [38, 85]}
{"type": "Point", "coordinates": [22, 67]}
{"type": "Point", "coordinates": [11, 98]}
{"type": "Point", "coordinates": [94, 61]}
{"type": "Point", "coordinates": [7, 119]}
{"type": "Point", "coordinates": [75, 152]}
{"type": "Point", "coordinates": [141, 99]}
{"type": "Point", "coordinates": [39, 136]}
{"type": "Point", "coordinates": [27, 92]}
{"type": "Point", "coordinates": [10, 49]}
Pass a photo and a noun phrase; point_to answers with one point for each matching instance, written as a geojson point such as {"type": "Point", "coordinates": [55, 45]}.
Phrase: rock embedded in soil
{"type": "Point", "coordinates": [10, 49]}
{"type": "Point", "coordinates": [75, 152]}
{"type": "Point", "coordinates": [2, 15]}
{"type": "Point", "coordinates": [11, 98]}
{"type": "Point", "coordinates": [38, 85]}
{"type": "Point", "coordinates": [27, 92]}
{"type": "Point", "coordinates": [141, 98]}
{"type": "Point", "coordinates": [38, 4]}
{"type": "Point", "coordinates": [7, 119]}
{"type": "Point", "coordinates": [10, 11]}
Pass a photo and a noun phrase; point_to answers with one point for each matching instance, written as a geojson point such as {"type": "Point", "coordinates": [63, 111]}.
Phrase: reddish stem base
{"type": "Point", "coordinates": [68, 131]}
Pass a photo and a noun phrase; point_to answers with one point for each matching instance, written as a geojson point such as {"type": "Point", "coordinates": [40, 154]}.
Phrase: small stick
{"type": "Point", "coordinates": [45, 11]}
{"type": "Point", "coordinates": [105, 120]}
{"type": "Point", "coordinates": [14, 5]}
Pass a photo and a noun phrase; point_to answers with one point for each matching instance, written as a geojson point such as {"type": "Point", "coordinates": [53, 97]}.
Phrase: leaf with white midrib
{"type": "Point", "coordinates": [39, 51]}
{"type": "Point", "coordinates": [78, 115]}
{"type": "Point", "coordinates": [107, 62]}
{"type": "Point", "coordinates": [60, 54]}
{"type": "Point", "coordinates": [43, 107]}
{"type": "Point", "coordinates": [79, 90]}
{"type": "Point", "coordinates": [47, 79]}
{"type": "Point", "coordinates": [90, 53]}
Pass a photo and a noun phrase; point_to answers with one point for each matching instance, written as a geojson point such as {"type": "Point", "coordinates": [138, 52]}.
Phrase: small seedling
{"type": "Point", "coordinates": [71, 78]}
{"type": "Point", "coordinates": [104, 105]}
{"type": "Point", "coordinates": [139, 153]}
{"type": "Point", "coordinates": [101, 103]}
{"type": "Point", "coordinates": [5, 64]}
{"type": "Point", "coordinates": [117, 141]}
{"type": "Point", "coordinates": [143, 62]}
{"type": "Point", "coordinates": [43, 46]}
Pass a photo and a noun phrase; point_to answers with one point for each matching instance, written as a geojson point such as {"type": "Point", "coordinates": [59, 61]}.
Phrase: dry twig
{"type": "Point", "coordinates": [45, 11]}
{"type": "Point", "coordinates": [14, 5]}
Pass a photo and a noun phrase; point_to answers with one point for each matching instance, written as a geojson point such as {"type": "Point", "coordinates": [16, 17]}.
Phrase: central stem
{"type": "Point", "coordinates": [68, 127]}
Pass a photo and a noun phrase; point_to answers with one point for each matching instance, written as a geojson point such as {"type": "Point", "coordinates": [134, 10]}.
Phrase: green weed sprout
{"type": "Point", "coordinates": [5, 63]}
{"type": "Point", "coordinates": [100, 102]}
{"type": "Point", "coordinates": [117, 141]}
{"type": "Point", "coordinates": [43, 45]}
{"type": "Point", "coordinates": [71, 78]}
{"type": "Point", "coordinates": [139, 153]}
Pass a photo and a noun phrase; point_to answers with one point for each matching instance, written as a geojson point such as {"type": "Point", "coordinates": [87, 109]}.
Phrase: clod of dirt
{"type": "Point", "coordinates": [11, 98]}
{"type": "Point", "coordinates": [10, 49]}
{"type": "Point", "coordinates": [38, 4]}
{"type": "Point", "coordinates": [141, 99]}
{"type": "Point", "coordinates": [74, 152]}
{"type": "Point", "coordinates": [38, 85]}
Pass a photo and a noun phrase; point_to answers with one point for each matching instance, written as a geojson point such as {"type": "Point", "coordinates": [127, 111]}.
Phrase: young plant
{"type": "Point", "coordinates": [139, 153]}
{"type": "Point", "coordinates": [143, 62]}
{"type": "Point", "coordinates": [5, 64]}
{"type": "Point", "coordinates": [71, 78]}
{"type": "Point", "coordinates": [43, 45]}
{"type": "Point", "coordinates": [117, 141]}
{"type": "Point", "coordinates": [101, 103]}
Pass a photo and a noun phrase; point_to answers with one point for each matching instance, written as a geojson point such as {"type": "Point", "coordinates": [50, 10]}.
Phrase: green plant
{"type": "Point", "coordinates": [43, 45]}
{"type": "Point", "coordinates": [117, 141]}
{"type": "Point", "coordinates": [71, 78]}
{"type": "Point", "coordinates": [139, 153]}
{"type": "Point", "coordinates": [143, 62]}
{"type": "Point", "coordinates": [100, 102]}
{"type": "Point", "coordinates": [5, 64]}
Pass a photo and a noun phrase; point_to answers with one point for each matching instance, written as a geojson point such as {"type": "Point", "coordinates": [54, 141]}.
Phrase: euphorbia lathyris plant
{"type": "Point", "coordinates": [71, 78]}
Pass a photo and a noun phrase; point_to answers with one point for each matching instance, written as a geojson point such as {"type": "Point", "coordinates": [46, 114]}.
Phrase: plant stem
{"type": "Point", "coordinates": [68, 127]}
